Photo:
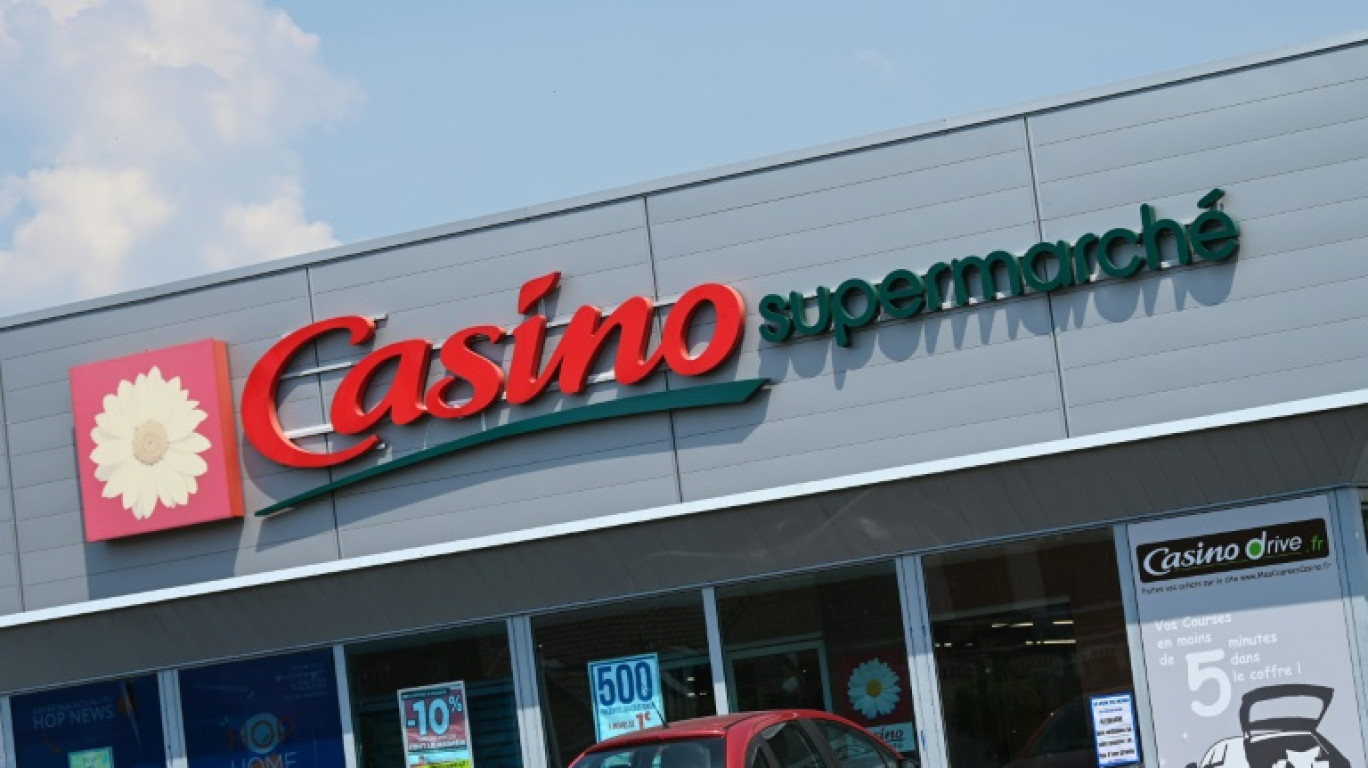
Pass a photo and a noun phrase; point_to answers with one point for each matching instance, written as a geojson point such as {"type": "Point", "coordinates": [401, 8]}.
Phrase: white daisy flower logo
{"type": "Point", "coordinates": [146, 447]}
{"type": "Point", "coordinates": [873, 689]}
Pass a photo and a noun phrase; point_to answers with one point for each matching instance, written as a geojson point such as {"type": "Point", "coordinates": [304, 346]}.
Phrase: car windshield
{"type": "Point", "coordinates": [680, 753]}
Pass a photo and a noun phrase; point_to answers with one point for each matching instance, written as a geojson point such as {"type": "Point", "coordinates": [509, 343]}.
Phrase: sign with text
{"type": "Point", "coordinates": [626, 693]}
{"type": "Point", "coordinates": [877, 695]}
{"type": "Point", "coordinates": [272, 712]}
{"type": "Point", "coordinates": [1113, 719]}
{"type": "Point", "coordinates": [436, 725]}
{"type": "Point", "coordinates": [92, 758]}
{"type": "Point", "coordinates": [1245, 638]}
{"type": "Point", "coordinates": [117, 720]}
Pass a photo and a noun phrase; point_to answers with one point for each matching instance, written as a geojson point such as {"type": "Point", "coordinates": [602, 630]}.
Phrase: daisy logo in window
{"type": "Point", "coordinates": [873, 689]}
{"type": "Point", "coordinates": [156, 448]}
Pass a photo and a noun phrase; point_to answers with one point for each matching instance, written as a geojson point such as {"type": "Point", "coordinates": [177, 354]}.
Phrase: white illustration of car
{"type": "Point", "coordinates": [1283, 736]}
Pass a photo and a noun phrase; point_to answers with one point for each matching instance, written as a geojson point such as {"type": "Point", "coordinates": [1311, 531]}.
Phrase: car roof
{"type": "Point", "coordinates": [704, 727]}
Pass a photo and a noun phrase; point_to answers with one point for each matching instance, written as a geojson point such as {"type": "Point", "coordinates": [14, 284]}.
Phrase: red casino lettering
{"type": "Point", "coordinates": [405, 400]}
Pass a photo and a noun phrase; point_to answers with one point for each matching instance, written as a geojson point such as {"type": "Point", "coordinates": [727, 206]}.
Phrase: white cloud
{"type": "Point", "coordinates": [159, 142]}
{"type": "Point", "coordinates": [272, 227]}
{"type": "Point", "coordinates": [879, 63]}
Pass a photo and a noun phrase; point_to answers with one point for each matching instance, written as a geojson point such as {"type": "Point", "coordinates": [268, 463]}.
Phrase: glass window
{"type": "Point", "coordinates": [1023, 634]}
{"type": "Point", "coordinates": [831, 641]}
{"type": "Point", "coordinates": [276, 711]}
{"type": "Point", "coordinates": [118, 723]}
{"type": "Point", "coordinates": [665, 633]}
{"type": "Point", "coordinates": [791, 747]}
{"type": "Point", "coordinates": [852, 748]}
{"type": "Point", "coordinates": [476, 657]}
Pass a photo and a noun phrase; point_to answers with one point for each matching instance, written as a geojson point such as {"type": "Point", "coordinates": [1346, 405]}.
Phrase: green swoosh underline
{"type": "Point", "coordinates": [726, 393]}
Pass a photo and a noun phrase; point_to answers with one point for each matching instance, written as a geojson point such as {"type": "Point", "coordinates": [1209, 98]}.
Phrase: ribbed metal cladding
{"type": "Point", "coordinates": [1084, 488]}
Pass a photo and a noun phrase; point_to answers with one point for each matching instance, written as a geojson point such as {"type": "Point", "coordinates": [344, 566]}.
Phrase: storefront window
{"type": "Point", "coordinates": [649, 659]}
{"type": "Point", "coordinates": [264, 713]}
{"type": "Point", "coordinates": [458, 694]}
{"type": "Point", "coordinates": [115, 724]}
{"type": "Point", "coordinates": [1024, 634]}
{"type": "Point", "coordinates": [831, 640]}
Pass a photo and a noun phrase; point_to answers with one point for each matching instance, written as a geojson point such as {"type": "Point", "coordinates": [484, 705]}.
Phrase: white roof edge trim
{"type": "Point", "coordinates": [923, 469]}
{"type": "Point", "coordinates": [694, 178]}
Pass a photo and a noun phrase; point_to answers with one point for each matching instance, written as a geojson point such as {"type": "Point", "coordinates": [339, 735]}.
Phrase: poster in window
{"type": "Point", "coordinates": [92, 758]}
{"type": "Point", "coordinates": [1246, 643]}
{"type": "Point", "coordinates": [117, 722]}
{"type": "Point", "coordinates": [277, 711]}
{"type": "Point", "coordinates": [626, 694]}
{"type": "Point", "coordinates": [871, 689]}
{"type": "Point", "coordinates": [436, 724]}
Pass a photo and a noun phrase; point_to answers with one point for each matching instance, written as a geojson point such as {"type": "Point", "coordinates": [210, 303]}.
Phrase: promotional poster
{"type": "Point", "coordinates": [1114, 736]}
{"type": "Point", "coordinates": [100, 725]}
{"type": "Point", "coordinates": [626, 694]}
{"type": "Point", "coordinates": [276, 712]}
{"type": "Point", "coordinates": [1245, 639]}
{"type": "Point", "coordinates": [92, 758]}
{"type": "Point", "coordinates": [436, 726]}
{"type": "Point", "coordinates": [871, 689]}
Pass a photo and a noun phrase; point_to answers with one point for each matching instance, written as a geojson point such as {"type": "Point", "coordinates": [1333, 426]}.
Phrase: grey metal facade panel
{"type": "Point", "coordinates": [769, 264]}
{"type": "Point", "coordinates": [942, 385]}
{"type": "Point", "coordinates": [907, 446]}
{"type": "Point", "coordinates": [106, 571]}
{"type": "Point", "coordinates": [826, 173]}
{"type": "Point", "coordinates": [11, 600]}
{"type": "Point", "coordinates": [1188, 177]}
{"type": "Point", "coordinates": [1209, 93]}
{"type": "Point", "coordinates": [216, 565]}
{"type": "Point", "coordinates": [840, 211]}
{"type": "Point", "coordinates": [527, 238]}
{"type": "Point", "coordinates": [56, 564]}
{"type": "Point", "coordinates": [1280, 322]}
{"type": "Point", "coordinates": [10, 596]}
{"type": "Point", "coordinates": [839, 205]}
{"type": "Point", "coordinates": [508, 515]}
{"type": "Point", "coordinates": [1090, 488]}
{"type": "Point", "coordinates": [835, 410]}
{"type": "Point", "coordinates": [1209, 129]}
{"type": "Point", "coordinates": [528, 472]}
{"type": "Point", "coordinates": [558, 476]}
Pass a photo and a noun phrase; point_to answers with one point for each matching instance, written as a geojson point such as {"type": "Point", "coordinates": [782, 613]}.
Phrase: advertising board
{"type": "Point", "coordinates": [1245, 638]}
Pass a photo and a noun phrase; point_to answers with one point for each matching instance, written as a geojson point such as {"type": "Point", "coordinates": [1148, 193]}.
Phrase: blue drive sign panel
{"type": "Point", "coordinates": [626, 693]}
{"type": "Point", "coordinates": [1113, 719]}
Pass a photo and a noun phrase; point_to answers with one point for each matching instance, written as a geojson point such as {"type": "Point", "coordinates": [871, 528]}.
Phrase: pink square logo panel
{"type": "Point", "coordinates": [155, 440]}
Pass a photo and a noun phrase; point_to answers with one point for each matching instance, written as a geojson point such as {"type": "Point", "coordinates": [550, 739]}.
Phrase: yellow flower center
{"type": "Point", "coordinates": [150, 443]}
{"type": "Point", "coordinates": [873, 688]}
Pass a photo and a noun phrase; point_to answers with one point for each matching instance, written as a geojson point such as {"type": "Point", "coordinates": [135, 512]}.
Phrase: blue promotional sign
{"type": "Point", "coordinates": [277, 712]}
{"type": "Point", "coordinates": [113, 724]}
{"type": "Point", "coordinates": [626, 693]}
{"type": "Point", "coordinates": [1114, 734]}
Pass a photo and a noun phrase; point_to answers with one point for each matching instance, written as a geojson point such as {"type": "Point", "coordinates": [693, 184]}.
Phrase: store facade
{"type": "Point", "coordinates": [1032, 438]}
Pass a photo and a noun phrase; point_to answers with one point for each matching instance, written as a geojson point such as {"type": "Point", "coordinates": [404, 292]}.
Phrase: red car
{"type": "Point", "coordinates": [794, 738]}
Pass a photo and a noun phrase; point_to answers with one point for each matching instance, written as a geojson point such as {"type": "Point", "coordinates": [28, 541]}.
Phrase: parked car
{"type": "Point", "coordinates": [771, 739]}
{"type": "Point", "coordinates": [1065, 739]}
{"type": "Point", "coordinates": [1284, 734]}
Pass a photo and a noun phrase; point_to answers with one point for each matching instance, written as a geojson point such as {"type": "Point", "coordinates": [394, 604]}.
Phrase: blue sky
{"type": "Point", "coordinates": [146, 141]}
